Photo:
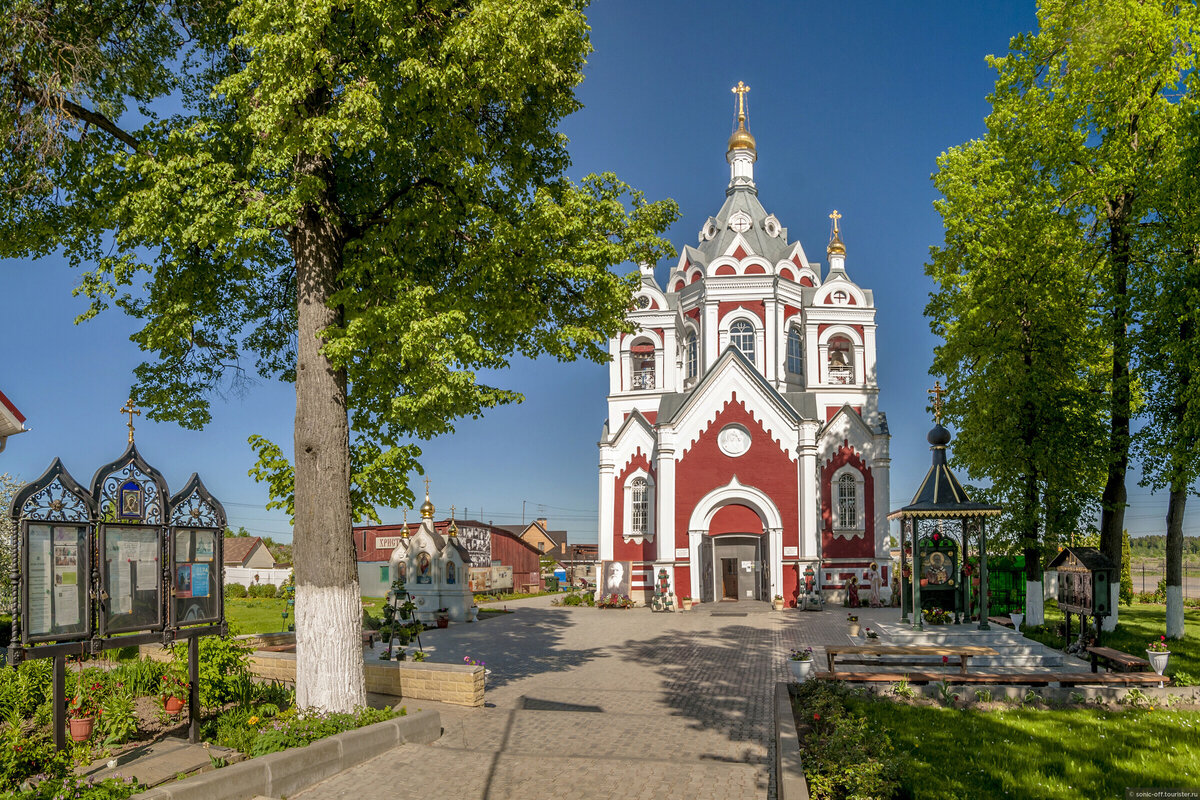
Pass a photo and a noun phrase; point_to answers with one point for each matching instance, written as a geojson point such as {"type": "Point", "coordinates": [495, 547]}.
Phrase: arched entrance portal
{"type": "Point", "coordinates": [734, 536]}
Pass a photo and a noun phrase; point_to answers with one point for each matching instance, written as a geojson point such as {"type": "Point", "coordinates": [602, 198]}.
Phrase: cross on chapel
{"type": "Point", "coordinates": [130, 409]}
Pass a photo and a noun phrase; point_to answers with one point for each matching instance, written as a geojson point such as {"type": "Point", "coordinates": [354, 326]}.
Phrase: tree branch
{"type": "Point", "coordinates": [74, 110]}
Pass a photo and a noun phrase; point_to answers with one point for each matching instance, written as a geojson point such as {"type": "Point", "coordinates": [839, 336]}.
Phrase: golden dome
{"type": "Point", "coordinates": [452, 530]}
{"type": "Point", "coordinates": [741, 139]}
{"type": "Point", "coordinates": [836, 246]}
{"type": "Point", "coordinates": [427, 509]}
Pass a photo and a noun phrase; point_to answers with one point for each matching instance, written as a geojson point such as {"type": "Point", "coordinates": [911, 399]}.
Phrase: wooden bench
{"type": "Point", "coordinates": [996, 678]}
{"type": "Point", "coordinates": [1005, 622]}
{"type": "Point", "coordinates": [961, 653]}
{"type": "Point", "coordinates": [1115, 660]}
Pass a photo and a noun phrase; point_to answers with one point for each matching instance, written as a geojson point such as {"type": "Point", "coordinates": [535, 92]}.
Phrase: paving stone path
{"type": "Point", "coordinates": [593, 704]}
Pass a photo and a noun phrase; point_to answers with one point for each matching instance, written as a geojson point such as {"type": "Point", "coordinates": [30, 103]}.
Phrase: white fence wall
{"type": "Point", "coordinates": [245, 575]}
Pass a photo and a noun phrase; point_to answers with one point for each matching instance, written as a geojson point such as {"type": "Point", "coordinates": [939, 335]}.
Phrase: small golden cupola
{"type": "Point", "coordinates": [741, 139]}
{"type": "Point", "coordinates": [452, 529]}
{"type": "Point", "coordinates": [836, 246]}
{"type": "Point", "coordinates": [427, 507]}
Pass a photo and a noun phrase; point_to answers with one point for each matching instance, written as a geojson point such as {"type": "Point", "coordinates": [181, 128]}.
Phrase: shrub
{"type": "Point", "coordinates": [141, 677]}
{"type": "Point", "coordinates": [844, 755]}
{"type": "Point", "coordinates": [261, 590]}
{"type": "Point", "coordinates": [224, 666]}
{"type": "Point", "coordinates": [235, 590]}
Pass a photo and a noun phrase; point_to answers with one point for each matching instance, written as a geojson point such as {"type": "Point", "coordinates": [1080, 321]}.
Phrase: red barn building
{"type": "Point", "coordinates": [744, 441]}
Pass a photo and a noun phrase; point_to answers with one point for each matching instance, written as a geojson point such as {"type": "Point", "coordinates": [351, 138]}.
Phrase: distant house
{"type": "Point", "coordinates": [12, 421]}
{"type": "Point", "coordinates": [248, 561]}
{"type": "Point", "coordinates": [247, 551]}
{"type": "Point", "coordinates": [580, 563]}
{"type": "Point", "coordinates": [550, 543]}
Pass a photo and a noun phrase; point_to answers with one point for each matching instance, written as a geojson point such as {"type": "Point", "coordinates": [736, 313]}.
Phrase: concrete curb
{"type": "Point", "coordinates": [790, 782]}
{"type": "Point", "coordinates": [286, 773]}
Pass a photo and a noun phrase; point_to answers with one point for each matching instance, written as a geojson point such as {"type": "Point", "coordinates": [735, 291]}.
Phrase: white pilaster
{"type": "Point", "coordinates": [664, 529]}
{"type": "Point", "coordinates": [607, 476]}
{"type": "Point", "coordinates": [670, 361]}
{"type": "Point", "coordinates": [810, 509]}
{"type": "Point", "coordinates": [872, 376]}
{"type": "Point", "coordinates": [694, 538]}
{"type": "Point", "coordinates": [710, 335]}
{"type": "Point", "coordinates": [771, 346]}
{"type": "Point", "coordinates": [776, 544]}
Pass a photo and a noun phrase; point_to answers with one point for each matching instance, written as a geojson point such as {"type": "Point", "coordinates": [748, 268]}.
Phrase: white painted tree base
{"type": "Point", "coordinates": [1109, 623]}
{"type": "Point", "coordinates": [1035, 603]}
{"type": "Point", "coordinates": [1174, 612]}
{"type": "Point", "coordinates": [329, 660]}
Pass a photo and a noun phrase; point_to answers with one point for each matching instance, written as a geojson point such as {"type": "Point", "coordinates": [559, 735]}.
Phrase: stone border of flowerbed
{"type": "Point", "coordinates": [290, 771]}
{"type": "Point", "coordinates": [790, 782]}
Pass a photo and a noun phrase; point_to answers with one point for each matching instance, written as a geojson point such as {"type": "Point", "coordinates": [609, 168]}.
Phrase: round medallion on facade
{"type": "Point", "coordinates": [734, 440]}
{"type": "Point", "coordinates": [642, 302]}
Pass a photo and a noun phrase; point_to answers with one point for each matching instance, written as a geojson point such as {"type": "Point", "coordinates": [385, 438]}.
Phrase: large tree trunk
{"type": "Point", "coordinates": [1034, 608]}
{"type": "Point", "coordinates": [1112, 501]}
{"type": "Point", "coordinates": [329, 660]}
{"type": "Point", "coordinates": [1175, 508]}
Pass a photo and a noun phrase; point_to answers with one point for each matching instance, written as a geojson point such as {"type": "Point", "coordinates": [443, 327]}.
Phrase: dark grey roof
{"type": "Point", "coordinates": [941, 495]}
{"type": "Point", "coordinates": [772, 248]}
{"type": "Point", "coordinates": [1089, 557]}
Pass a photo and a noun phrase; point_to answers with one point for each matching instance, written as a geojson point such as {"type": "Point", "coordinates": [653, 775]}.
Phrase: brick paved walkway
{"type": "Point", "coordinates": [593, 704]}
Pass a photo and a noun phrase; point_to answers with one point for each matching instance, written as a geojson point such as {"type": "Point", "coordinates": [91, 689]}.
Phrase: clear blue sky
{"type": "Point", "coordinates": [851, 103]}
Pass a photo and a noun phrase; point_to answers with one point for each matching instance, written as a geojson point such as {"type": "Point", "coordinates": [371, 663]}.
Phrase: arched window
{"type": "Point", "coordinates": [847, 499]}
{"type": "Point", "coordinates": [693, 355]}
{"type": "Point", "coordinates": [741, 336]}
{"type": "Point", "coordinates": [795, 352]}
{"type": "Point", "coordinates": [641, 507]}
{"type": "Point", "coordinates": [642, 363]}
{"type": "Point", "coordinates": [841, 360]}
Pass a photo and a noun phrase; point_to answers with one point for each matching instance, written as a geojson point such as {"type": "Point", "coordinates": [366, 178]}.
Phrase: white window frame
{"type": "Point", "coordinates": [630, 534]}
{"type": "Point", "coordinates": [794, 332]}
{"type": "Point", "coordinates": [856, 525]}
{"type": "Point", "coordinates": [752, 356]}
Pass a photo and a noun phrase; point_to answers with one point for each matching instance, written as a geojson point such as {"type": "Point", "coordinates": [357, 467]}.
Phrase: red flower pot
{"type": "Point", "coordinates": [81, 728]}
{"type": "Point", "coordinates": [173, 705]}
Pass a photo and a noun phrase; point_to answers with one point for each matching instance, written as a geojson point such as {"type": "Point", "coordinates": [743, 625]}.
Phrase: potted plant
{"type": "Point", "coordinates": [871, 634]}
{"type": "Point", "coordinates": [174, 691]}
{"type": "Point", "coordinates": [777, 602]}
{"type": "Point", "coordinates": [686, 603]}
{"type": "Point", "coordinates": [443, 617]}
{"type": "Point", "coordinates": [853, 620]}
{"type": "Point", "coordinates": [473, 613]}
{"type": "Point", "coordinates": [1017, 618]}
{"type": "Point", "coordinates": [1159, 654]}
{"type": "Point", "coordinates": [800, 662]}
{"type": "Point", "coordinates": [82, 709]}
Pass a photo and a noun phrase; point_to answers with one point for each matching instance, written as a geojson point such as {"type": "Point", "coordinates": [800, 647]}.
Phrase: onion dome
{"type": "Point", "coordinates": [452, 528]}
{"type": "Point", "coordinates": [938, 436]}
{"type": "Point", "coordinates": [741, 139]}
{"type": "Point", "coordinates": [427, 508]}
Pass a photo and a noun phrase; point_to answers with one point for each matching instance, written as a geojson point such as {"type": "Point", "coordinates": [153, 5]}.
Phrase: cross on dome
{"type": "Point", "coordinates": [130, 409]}
{"type": "Point", "coordinates": [836, 245]}
{"type": "Point", "coordinates": [741, 138]}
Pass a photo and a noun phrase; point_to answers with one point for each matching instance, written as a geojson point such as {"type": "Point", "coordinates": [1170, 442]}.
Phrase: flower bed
{"type": "Point", "coordinates": [615, 601]}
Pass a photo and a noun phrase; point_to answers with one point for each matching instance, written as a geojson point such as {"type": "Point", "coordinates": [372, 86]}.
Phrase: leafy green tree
{"type": "Point", "coordinates": [367, 198]}
{"type": "Point", "coordinates": [1169, 352]}
{"type": "Point", "coordinates": [1013, 309]}
{"type": "Point", "coordinates": [1091, 103]}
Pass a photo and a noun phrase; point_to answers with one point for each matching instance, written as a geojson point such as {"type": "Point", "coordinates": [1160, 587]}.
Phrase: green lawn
{"type": "Point", "coordinates": [1031, 753]}
{"type": "Point", "coordinates": [1137, 625]}
{"type": "Point", "coordinates": [257, 615]}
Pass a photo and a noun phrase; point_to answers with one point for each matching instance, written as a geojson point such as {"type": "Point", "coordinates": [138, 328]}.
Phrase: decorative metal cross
{"type": "Point", "coordinates": [427, 488]}
{"type": "Point", "coordinates": [937, 391]}
{"type": "Point", "coordinates": [130, 409]}
{"type": "Point", "coordinates": [451, 512]}
{"type": "Point", "coordinates": [740, 90]}
{"type": "Point", "coordinates": [835, 216]}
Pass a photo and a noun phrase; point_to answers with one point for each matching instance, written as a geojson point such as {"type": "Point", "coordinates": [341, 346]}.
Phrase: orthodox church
{"type": "Point", "coordinates": [745, 455]}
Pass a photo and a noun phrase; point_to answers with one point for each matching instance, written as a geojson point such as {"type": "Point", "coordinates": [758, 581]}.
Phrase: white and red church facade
{"type": "Point", "coordinates": [744, 442]}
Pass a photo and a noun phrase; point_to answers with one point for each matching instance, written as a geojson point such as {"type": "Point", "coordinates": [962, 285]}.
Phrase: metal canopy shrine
{"type": "Point", "coordinates": [123, 564]}
{"type": "Point", "coordinates": [938, 530]}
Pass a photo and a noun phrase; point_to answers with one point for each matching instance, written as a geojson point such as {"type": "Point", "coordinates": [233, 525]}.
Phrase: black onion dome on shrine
{"type": "Point", "coordinates": [940, 494]}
